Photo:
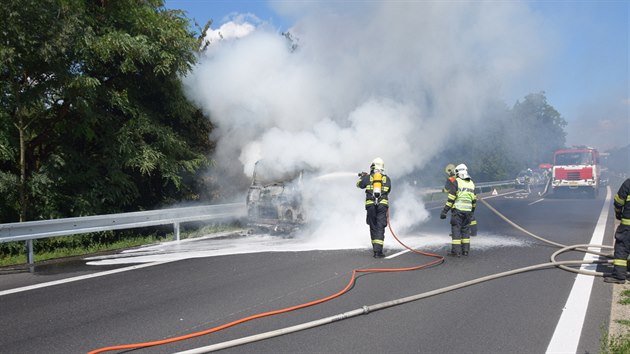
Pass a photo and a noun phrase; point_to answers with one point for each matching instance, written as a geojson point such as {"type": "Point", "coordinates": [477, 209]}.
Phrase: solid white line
{"type": "Point", "coordinates": [70, 280]}
{"type": "Point", "coordinates": [568, 331]}
{"type": "Point", "coordinates": [397, 254]}
{"type": "Point", "coordinates": [534, 202]}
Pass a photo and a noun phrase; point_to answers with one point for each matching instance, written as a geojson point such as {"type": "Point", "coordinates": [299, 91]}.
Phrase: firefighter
{"type": "Point", "coordinates": [377, 186]}
{"type": "Point", "coordinates": [622, 235]}
{"type": "Point", "coordinates": [450, 186]}
{"type": "Point", "coordinates": [461, 201]}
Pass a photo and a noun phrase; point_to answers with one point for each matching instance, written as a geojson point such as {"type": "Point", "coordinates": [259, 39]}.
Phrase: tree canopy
{"type": "Point", "coordinates": [507, 140]}
{"type": "Point", "coordinates": [93, 118]}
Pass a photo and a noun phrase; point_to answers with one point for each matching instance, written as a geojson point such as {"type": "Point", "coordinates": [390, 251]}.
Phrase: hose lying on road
{"type": "Point", "coordinates": [439, 259]}
{"type": "Point", "coordinates": [367, 309]}
{"type": "Point", "coordinates": [371, 308]}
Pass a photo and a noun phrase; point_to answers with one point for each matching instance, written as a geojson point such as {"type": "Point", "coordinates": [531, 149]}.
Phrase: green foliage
{"type": "Point", "coordinates": [625, 297]}
{"type": "Point", "coordinates": [13, 253]}
{"type": "Point", "coordinates": [508, 140]}
{"type": "Point", "coordinates": [619, 344]}
{"type": "Point", "coordinates": [614, 344]}
{"type": "Point", "coordinates": [93, 118]}
{"type": "Point", "coordinates": [540, 129]}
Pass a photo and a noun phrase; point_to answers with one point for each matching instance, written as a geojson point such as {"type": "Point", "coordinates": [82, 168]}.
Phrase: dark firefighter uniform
{"type": "Point", "coordinates": [450, 187]}
{"type": "Point", "coordinates": [376, 206]}
{"type": "Point", "coordinates": [622, 235]}
{"type": "Point", "coordinates": [461, 201]}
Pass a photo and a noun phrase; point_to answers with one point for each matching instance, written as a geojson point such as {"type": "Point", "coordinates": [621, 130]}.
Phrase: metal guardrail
{"type": "Point", "coordinates": [31, 230]}
{"type": "Point", "coordinates": [489, 186]}
{"type": "Point", "coordinates": [483, 187]}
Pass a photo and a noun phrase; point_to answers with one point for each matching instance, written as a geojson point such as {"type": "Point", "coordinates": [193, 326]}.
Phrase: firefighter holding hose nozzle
{"type": "Point", "coordinates": [622, 235]}
{"type": "Point", "coordinates": [461, 201]}
{"type": "Point", "coordinates": [377, 186]}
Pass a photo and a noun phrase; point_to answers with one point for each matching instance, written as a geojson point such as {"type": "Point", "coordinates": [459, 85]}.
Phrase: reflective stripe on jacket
{"type": "Point", "coordinates": [622, 202]}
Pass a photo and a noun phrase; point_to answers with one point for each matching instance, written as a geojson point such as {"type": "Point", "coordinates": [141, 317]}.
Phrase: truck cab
{"type": "Point", "coordinates": [274, 200]}
{"type": "Point", "coordinates": [576, 169]}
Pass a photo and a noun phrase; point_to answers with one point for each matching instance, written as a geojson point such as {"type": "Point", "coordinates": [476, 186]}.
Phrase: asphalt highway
{"type": "Point", "coordinates": [159, 297]}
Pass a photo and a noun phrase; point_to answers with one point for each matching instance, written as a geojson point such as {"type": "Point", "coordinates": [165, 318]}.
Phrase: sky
{"type": "Point", "coordinates": [397, 80]}
{"type": "Point", "coordinates": [585, 73]}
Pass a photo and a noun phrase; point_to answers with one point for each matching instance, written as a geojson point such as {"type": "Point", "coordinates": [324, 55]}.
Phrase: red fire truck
{"type": "Point", "coordinates": [577, 169]}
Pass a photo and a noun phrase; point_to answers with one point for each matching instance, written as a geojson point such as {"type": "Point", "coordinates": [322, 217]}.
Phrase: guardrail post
{"type": "Point", "coordinates": [30, 257]}
{"type": "Point", "coordinates": [176, 230]}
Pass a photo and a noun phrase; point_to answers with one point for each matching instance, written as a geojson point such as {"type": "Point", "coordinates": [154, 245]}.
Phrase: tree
{"type": "Point", "coordinates": [508, 140]}
{"type": "Point", "coordinates": [539, 129]}
{"type": "Point", "coordinates": [93, 116]}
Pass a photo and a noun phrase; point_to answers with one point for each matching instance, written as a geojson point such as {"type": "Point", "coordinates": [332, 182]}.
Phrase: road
{"type": "Point", "coordinates": [175, 289]}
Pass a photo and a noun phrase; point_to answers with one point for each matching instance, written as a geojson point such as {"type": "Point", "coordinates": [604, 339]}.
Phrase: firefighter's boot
{"type": "Point", "coordinates": [619, 273]}
{"type": "Point", "coordinates": [455, 251]}
{"type": "Point", "coordinates": [465, 246]}
{"type": "Point", "coordinates": [378, 250]}
{"type": "Point", "coordinates": [456, 248]}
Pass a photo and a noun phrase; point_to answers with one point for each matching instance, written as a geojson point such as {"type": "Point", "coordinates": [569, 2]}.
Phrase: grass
{"type": "Point", "coordinates": [130, 242]}
{"type": "Point", "coordinates": [625, 297]}
{"type": "Point", "coordinates": [71, 252]}
{"type": "Point", "coordinates": [615, 344]}
{"type": "Point", "coordinates": [619, 344]}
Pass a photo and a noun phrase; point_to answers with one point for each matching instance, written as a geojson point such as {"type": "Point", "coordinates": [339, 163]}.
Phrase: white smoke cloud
{"type": "Point", "coordinates": [397, 80]}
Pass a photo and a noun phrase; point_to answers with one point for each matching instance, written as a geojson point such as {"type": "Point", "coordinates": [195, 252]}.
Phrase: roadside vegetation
{"type": "Point", "coordinates": [102, 242]}
{"type": "Point", "coordinates": [619, 343]}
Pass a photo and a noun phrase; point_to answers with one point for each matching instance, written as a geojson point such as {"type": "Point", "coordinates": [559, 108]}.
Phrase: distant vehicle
{"type": "Point", "coordinates": [274, 200]}
{"type": "Point", "coordinates": [524, 178]}
{"type": "Point", "coordinates": [577, 169]}
{"type": "Point", "coordinates": [528, 178]}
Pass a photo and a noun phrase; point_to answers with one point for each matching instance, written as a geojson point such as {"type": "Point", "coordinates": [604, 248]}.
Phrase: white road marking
{"type": "Point", "coordinates": [70, 280]}
{"type": "Point", "coordinates": [568, 331]}
{"type": "Point", "coordinates": [397, 254]}
{"type": "Point", "coordinates": [534, 202]}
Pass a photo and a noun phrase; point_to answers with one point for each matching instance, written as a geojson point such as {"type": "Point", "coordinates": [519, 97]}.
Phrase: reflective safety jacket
{"type": "Point", "coordinates": [622, 203]}
{"type": "Point", "coordinates": [462, 197]}
{"type": "Point", "coordinates": [367, 182]}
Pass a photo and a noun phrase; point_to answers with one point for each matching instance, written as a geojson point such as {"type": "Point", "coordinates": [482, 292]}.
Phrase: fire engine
{"type": "Point", "coordinates": [576, 169]}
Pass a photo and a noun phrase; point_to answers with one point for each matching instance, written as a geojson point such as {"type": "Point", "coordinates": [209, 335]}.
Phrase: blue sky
{"type": "Point", "coordinates": [584, 70]}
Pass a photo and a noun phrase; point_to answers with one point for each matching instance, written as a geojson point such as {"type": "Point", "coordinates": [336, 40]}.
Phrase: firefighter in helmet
{"type": "Point", "coordinates": [622, 235]}
{"type": "Point", "coordinates": [461, 201]}
{"type": "Point", "coordinates": [451, 187]}
{"type": "Point", "coordinates": [377, 186]}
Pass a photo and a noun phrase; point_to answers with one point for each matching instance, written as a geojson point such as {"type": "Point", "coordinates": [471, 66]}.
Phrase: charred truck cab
{"type": "Point", "coordinates": [274, 201]}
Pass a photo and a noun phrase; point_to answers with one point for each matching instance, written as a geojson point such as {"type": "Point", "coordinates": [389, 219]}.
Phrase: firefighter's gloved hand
{"type": "Point", "coordinates": [618, 216]}
{"type": "Point", "coordinates": [363, 174]}
{"type": "Point", "coordinates": [443, 214]}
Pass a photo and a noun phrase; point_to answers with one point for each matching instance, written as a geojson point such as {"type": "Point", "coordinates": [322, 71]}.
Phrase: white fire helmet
{"type": "Point", "coordinates": [378, 164]}
{"type": "Point", "coordinates": [462, 171]}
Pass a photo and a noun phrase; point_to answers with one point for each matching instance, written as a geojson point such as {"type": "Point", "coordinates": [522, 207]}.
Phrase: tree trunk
{"type": "Point", "coordinates": [22, 186]}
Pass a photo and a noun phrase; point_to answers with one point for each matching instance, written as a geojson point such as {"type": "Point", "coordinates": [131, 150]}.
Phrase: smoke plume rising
{"type": "Point", "coordinates": [396, 80]}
